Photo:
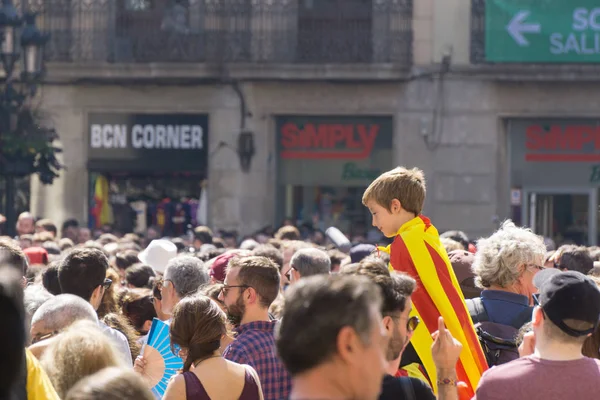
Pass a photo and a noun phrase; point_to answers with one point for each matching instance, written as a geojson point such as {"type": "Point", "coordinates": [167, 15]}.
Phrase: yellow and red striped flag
{"type": "Point", "coordinates": [417, 251]}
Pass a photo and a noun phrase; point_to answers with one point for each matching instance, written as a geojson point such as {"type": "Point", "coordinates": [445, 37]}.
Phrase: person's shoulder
{"type": "Point", "coordinates": [393, 388]}
{"type": "Point", "coordinates": [510, 370]}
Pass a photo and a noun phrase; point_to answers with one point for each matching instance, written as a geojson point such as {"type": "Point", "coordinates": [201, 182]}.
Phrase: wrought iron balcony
{"type": "Point", "coordinates": [228, 31]}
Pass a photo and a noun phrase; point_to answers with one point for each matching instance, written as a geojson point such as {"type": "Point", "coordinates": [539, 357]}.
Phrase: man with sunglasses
{"type": "Point", "coordinates": [83, 273]}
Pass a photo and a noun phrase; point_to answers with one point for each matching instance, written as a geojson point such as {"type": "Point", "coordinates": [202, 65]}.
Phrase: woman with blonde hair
{"type": "Point", "coordinates": [79, 351]}
{"type": "Point", "coordinates": [198, 327]}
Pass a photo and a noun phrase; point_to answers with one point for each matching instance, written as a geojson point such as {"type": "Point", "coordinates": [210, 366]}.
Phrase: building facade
{"type": "Point", "coordinates": [152, 96]}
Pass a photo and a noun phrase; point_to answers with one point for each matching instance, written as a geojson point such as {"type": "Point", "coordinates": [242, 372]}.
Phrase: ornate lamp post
{"type": "Point", "coordinates": [18, 34]}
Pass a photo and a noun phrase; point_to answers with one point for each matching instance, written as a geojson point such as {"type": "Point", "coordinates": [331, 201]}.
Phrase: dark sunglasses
{"type": "Point", "coordinates": [412, 323]}
{"type": "Point", "coordinates": [225, 288]}
{"type": "Point", "coordinates": [107, 283]}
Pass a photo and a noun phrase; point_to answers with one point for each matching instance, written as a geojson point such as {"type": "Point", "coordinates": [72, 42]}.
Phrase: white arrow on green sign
{"type": "Point", "coordinates": [542, 31]}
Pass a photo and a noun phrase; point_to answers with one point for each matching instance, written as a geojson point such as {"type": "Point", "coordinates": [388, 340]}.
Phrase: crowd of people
{"type": "Point", "coordinates": [293, 317]}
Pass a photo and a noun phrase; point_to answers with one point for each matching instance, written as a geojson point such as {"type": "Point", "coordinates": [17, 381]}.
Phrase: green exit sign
{"type": "Point", "coordinates": [542, 31]}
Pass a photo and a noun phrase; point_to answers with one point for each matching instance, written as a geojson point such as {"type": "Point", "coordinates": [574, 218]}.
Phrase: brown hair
{"type": "Point", "coordinates": [47, 225]}
{"type": "Point", "coordinates": [288, 233]}
{"type": "Point", "coordinates": [259, 273]}
{"type": "Point", "coordinates": [121, 323]}
{"type": "Point", "coordinates": [13, 255]}
{"type": "Point", "coordinates": [213, 291]}
{"type": "Point", "coordinates": [197, 325]}
{"type": "Point", "coordinates": [109, 300]}
{"type": "Point", "coordinates": [137, 306]}
{"type": "Point", "coordinates": [43, 237]}
{"type": "Point", "coordinates": [405, 185]}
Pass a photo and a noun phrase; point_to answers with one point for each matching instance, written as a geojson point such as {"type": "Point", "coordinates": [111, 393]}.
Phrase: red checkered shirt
{"type": "Point", "coordinates": [255, 345]}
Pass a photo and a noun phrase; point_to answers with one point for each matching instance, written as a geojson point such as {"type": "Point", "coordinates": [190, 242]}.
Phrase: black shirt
{"type": "Point", "coordinates": [393, 389]}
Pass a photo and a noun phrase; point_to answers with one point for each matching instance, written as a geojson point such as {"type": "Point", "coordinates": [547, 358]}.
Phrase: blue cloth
{"type": "Point", "coordinates": [503, 307]}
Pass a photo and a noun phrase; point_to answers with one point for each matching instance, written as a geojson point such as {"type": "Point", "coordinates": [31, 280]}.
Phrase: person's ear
{"type": "Point", "coordinates": [147, 325]}
{"type": "Point", "coordinates": [388, 324]}
{"type": "Point", "coordinates": [348, 345]}
{"type": "Point", "coordinates": [296, 275]}
{"type": "Point", "coordinates": [250, 295]}
{"type": "Point", "coordinates": [537, 316]}
{"type": "Point", "coordinates": [395, 206]}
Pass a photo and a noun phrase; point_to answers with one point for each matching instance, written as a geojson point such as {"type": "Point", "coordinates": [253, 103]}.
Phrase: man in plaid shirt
{"type": "Point", "coordinates": [251, 285]}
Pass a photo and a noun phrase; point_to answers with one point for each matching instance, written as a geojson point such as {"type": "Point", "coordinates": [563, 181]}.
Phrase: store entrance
{"type": "Point", "coordinates": [133, 202]}
{"type": "Point", "coordinates": [325, 206]}
{"type": "Point", "coordinates": [564, 216]}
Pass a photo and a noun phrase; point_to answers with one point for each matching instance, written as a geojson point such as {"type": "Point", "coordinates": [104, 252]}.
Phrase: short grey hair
{"type": "Point", "coordinates": [63, 310]}
{"type": "Point", "coordinates": [249, 244]}
{"type": "Point", "coordinates": [34, 297]}
{"type": "Point", "coordinates": [188, 275]}
{"type": "Point", "coordinates": [499, 258]}
{"type": "Point", "coordinates": [311, 261]}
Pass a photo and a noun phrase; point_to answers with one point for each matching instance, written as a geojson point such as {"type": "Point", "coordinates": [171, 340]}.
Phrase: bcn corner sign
{"type": "Point", "coordinates": [532, 31]}
{"type": "Point", "coordinates": [151, 141]}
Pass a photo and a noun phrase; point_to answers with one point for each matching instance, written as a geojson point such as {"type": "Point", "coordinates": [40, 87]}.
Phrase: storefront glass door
{"type": "Point", "coordinates": [566, 216]}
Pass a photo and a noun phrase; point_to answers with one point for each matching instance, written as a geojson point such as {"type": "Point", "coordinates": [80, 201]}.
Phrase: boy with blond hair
{"type": "Point", "coordinates": [395, 200]}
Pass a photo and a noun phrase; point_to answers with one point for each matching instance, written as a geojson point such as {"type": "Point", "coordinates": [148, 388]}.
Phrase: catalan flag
{"type": "Point", "coordinates": [417, 251]}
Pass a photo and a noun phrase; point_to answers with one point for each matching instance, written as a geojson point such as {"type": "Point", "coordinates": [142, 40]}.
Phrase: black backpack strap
{"type": "Point", "coordinates": [477, 310]}
{"type": "Point", "coordinates": [408, 389]}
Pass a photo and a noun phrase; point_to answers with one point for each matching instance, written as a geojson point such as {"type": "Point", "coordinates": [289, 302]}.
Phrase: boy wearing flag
{"type": "Point", "coordinates": [395, 200]}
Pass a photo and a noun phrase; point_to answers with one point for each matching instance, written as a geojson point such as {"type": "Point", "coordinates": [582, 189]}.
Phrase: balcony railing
{"type": "Point", "coordinates": [227, 31]}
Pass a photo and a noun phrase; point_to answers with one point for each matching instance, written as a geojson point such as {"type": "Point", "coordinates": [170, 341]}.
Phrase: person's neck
{"type": "Point", "coordinates": [516, 289]}
{"type": "Point", "coordinates": [403, 218]}
{"type": "Point", "coordinates": [555, 351]}
{"type": "Point", "coordinates": [393, 366]}
{"type": "Point", "coordinates": [254, 315]}
{"type": "Point", "coordinates": [325, 382]}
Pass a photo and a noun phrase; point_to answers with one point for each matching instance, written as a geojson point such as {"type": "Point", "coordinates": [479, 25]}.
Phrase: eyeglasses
{"type": "Point", "coordinates": [226, 288]}
{"type": "Point", "coordinates": [107, 283]}
{"type": "Point", "coordinates": [412, 323]}
{"type": "Point", "coordinates": [288, 274]}
{"type": "Point", "coordinates": [538, 267]}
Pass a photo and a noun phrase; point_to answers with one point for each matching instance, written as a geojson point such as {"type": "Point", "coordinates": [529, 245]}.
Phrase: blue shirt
{"type": "Point", "coordinates": [503, 307]}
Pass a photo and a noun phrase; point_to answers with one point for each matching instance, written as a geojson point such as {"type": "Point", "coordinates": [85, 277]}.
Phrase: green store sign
{"type": "Point", "coordinates": [352, 171]}
{"type": "Point", "coordinates": [542, 31]}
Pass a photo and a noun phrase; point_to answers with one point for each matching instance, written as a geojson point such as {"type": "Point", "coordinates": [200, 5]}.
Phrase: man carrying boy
{"type": "Point", "coordinates": [395, 199]}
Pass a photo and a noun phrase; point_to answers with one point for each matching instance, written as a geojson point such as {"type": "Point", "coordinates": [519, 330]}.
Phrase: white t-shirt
{"type": "Point", "coordinates": [119, 340]}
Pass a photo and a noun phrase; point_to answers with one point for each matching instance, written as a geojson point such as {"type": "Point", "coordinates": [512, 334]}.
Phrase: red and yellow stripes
{"type": "Point", "coordinates": [418, 252]}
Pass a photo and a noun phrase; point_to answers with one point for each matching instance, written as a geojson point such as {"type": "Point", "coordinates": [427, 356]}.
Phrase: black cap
{"type": "Point", "coordinates": [569, 295]}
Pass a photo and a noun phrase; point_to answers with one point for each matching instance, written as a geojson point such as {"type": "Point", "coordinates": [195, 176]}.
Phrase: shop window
{"type": "Point", "coordinates": [335, 31]}
{"type": "Point", "coordinates": [133, 203]}
{"type": "Point", "coordinates": [324, 206]}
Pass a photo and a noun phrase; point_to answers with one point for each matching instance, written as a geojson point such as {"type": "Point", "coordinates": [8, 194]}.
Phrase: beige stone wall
{"type": "Point", "coordinates": [466, 173]}
{"type": "Point", "coordinates": [451, 29]}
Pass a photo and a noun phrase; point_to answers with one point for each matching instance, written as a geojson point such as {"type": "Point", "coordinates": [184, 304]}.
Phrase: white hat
{"type": "Point", "coordinates": [158, 253]}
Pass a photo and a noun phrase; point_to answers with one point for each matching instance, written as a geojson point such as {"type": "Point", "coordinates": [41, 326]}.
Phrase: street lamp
{"type": "Point", "coordinates": [10, 21]}
{"type": "Point", "coordinates": [14, 93]}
